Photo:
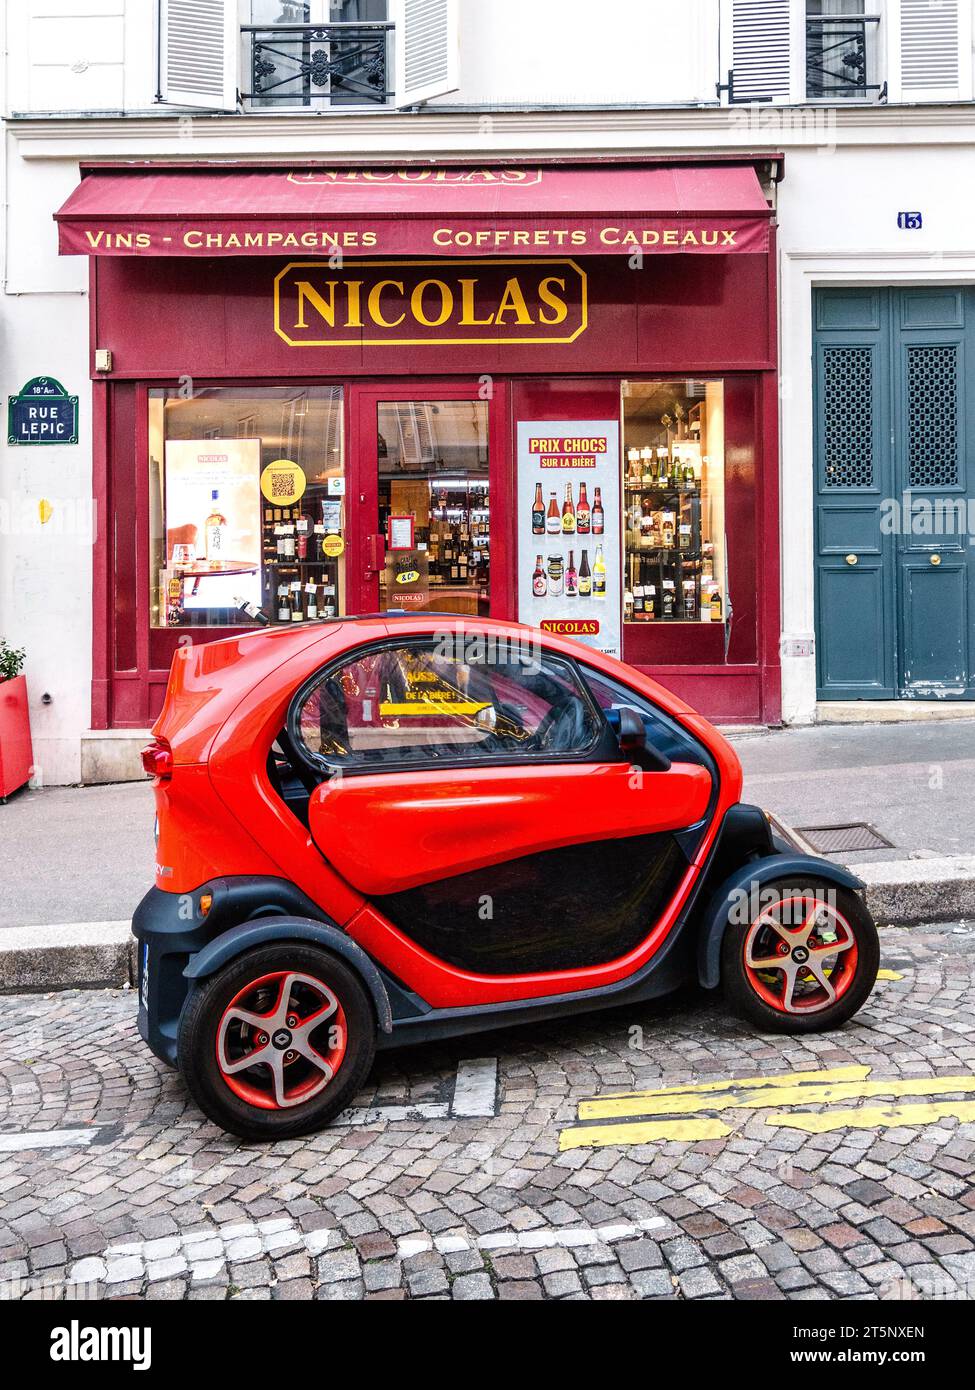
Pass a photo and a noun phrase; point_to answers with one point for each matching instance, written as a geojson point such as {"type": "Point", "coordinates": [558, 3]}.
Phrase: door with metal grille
{"type": "Point", "coordinates": [895, 493]}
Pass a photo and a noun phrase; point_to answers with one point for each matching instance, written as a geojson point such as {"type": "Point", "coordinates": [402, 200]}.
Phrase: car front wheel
{"type": "Point", "coordinates": [278, 1042]}
{"type": "Point", "coordinates": [804, 960]}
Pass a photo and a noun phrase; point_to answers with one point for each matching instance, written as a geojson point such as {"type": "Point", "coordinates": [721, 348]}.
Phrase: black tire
{"type": "Point", "coordinates": [743, 995]}
{"type": "Point", "coordinates": [198, 1036]}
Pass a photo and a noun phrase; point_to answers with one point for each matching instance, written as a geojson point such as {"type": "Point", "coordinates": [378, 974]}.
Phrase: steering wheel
{"type": "Point", "coordinates": [544, 739]}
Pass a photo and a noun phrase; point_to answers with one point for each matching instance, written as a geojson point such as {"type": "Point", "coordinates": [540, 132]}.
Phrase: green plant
{"type": "Point", "coordinates": [11, 660]}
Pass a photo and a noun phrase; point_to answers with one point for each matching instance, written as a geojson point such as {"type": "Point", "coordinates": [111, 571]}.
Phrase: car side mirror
{"type": "Point", "coordinates": [633, 742]}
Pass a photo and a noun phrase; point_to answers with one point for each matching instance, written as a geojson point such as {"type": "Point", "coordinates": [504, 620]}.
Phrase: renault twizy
{"type": "Point", "coordinates": [377, 831]}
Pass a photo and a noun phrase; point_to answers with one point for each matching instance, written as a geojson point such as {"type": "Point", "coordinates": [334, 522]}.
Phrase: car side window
{"type": "Point", "coordinates": [420, 702]}
{"type": "Point", "coordinates": [664, 733]}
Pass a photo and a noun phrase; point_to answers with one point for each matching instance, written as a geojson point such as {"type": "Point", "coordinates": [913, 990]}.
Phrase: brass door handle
{"type": "Point", "coordinates": [935, 559]}
{"type": "Point", "coordinates": [852, 559]}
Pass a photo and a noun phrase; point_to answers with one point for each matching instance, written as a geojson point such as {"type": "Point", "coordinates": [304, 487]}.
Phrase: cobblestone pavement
{"type": "Point", "coordinates": [145, 1198]}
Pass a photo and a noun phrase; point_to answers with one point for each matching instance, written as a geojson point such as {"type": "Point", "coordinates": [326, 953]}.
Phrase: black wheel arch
{"type": "Point", "coordinates": [263, 930]}
{"type": "Point", "coordinates": [750, 877]}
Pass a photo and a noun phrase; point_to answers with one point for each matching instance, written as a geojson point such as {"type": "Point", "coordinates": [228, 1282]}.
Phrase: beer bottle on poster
{"type": "Point", "coordinates": [539, 582]}
{"type": "Point", "coordinates": [583, 513]}
{"type": "Point", "coordinates": [556, 575]}
{"type": "Point", "coordinates": [538, 512]}
{"type": "Point", "coordinates": [553, 522]}
{"type": "Point", "coordinates": [598, 515]}
{"type": "Point", "coordinates": [568, 513]}
{"type": "Point", "coordinates": [599, 574]}
{"type": "Point", "coordinates": [571, 577]}
{"type": "Point", "coordinates": [585, 576]}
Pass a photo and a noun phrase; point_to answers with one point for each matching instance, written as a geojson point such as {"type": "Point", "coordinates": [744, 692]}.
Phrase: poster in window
{"type": "Point", "coordinates": [569, 518]}
{"type": "Point", "coordinates": [213, 522]}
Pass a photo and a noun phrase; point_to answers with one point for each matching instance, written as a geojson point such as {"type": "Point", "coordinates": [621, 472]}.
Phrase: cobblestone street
{"type": "Point", "coordinates": [112, 1183]}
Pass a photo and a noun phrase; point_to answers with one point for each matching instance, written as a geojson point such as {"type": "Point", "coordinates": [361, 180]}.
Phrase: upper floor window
{"type": "Point", "coordinates": [845, 51]}
{"type": "Point", "coordinates": [317, 53]}
{"type": "Point", "coordinates": [841, 51]}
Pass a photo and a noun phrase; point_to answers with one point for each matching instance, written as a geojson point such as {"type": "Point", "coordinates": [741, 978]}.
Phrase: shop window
{"type": "Point", "coordinates": [247, 506]}
{"type": "Point", "coordinates": [423, 704]}
{"type": "Point", "coordinates": [675, 549]}
{"type": "Point", "coordinates": [434, 506]}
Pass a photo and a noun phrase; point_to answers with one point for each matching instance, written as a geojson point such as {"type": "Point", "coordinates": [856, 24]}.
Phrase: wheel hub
{"type": "Point", "coordinates": [281, 1040]}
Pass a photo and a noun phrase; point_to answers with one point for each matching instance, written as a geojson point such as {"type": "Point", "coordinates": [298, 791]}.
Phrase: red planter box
{"type": "Point", "coordinates": [16, 753]}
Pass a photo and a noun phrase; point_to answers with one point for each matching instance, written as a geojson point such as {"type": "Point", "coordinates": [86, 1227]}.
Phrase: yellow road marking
{"type": "Point", "coordinates": [874, 1117]}
{"type": "Point", "coordinates": [789, 1078]}
{"type": "Point", "coordinates": [649, 1132]}
{"type": "Point", "coordinates": [659, 1103]}
{"type": "Point", "coordinates": [889, 975]}
{"type": "Point", "coordinates": [800, 1089]}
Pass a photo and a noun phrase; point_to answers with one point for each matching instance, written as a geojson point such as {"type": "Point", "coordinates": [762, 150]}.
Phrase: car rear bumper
{"type": "Point", "coordinates": [169, 930]}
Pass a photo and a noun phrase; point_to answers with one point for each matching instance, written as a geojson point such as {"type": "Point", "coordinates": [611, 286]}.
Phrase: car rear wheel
{"type": "Point", "coordinates": [804, 961]}
{"type": "Point", "coordinates": [278, 1042]}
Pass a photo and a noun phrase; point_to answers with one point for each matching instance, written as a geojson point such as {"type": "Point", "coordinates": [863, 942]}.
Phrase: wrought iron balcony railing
{"type": "Point", "coordinates": [317, 65]}
{"type": "Point", "coordinates": [841, 57]}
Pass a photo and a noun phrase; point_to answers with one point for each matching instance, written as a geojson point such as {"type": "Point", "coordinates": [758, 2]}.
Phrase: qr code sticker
{"type": "Point", "coordinates": [282, 485]}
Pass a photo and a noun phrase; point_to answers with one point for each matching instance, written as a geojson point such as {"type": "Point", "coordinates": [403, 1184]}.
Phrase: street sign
{"type": "Point", "coordinates": [42, 413]}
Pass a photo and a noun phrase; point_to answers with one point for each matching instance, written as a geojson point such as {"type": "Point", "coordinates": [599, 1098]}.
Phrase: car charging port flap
{"type": "Point", "coordinates": [157, 759]}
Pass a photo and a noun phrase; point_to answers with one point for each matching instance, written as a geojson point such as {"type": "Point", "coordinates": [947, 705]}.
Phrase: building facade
{"type": "Point", "coordinates": [656, 333]}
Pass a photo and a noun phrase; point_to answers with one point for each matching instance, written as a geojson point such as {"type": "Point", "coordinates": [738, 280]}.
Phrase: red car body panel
{"type": "Point", "coordinates": [220, 815]}
{"type": "Point", "coordinates": [387, 834]}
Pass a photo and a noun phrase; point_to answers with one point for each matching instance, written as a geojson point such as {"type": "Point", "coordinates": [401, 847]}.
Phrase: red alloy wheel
{"type": "Point", "coordinates": [800, 955]}
{"type": "Point", "coordinates": [281, 1040]}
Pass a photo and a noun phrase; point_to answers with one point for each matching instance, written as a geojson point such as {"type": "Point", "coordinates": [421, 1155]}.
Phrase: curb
{"type": "Point", "coordinates": [73, 955]}
{"type": "Point", "coordinates": [905, 892]}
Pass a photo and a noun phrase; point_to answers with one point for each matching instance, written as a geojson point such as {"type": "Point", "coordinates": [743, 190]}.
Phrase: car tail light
{"type": "Point", "coordinates": [157, 759]}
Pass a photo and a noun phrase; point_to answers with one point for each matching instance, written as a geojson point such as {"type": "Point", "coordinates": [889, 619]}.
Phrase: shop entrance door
{"type": "Point", "coordinates": [431, 489]}
{"type": "Point", "coordinates": [895, 493]}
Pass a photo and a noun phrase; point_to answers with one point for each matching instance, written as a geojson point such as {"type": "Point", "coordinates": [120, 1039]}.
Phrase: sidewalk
{"type": "Point", "coordinates": [85, 854]}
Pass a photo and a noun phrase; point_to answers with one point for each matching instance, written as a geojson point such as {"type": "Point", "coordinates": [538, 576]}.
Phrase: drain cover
{"type": "Point", "coordinates": [840, 839]}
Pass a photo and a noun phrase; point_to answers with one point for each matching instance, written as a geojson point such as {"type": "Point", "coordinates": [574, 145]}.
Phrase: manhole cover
{"type": "Point", "coordinates": [840, 839]}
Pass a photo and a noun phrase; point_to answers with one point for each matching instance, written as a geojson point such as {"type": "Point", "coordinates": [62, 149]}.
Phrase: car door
{"type": "Point", "coordinates": [482, 803]}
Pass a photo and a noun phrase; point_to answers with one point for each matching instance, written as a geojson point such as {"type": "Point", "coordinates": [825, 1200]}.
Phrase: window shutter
{"type": "Point", "coordinates": [427, 49]}
{"type": "Point", "coordinates": [198, 53]}
{"type": "Point", "coordinates": [760, 53]}
{"type": "Point", "coordinates": [930, 50]}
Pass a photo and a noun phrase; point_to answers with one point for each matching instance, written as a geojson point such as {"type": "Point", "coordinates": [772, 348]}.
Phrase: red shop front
{"type": "Point", "coordinates": [545, 393]}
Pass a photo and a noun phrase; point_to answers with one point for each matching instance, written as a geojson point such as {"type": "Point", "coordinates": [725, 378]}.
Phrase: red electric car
{"type": "Point", "coordinates": [382, 830]}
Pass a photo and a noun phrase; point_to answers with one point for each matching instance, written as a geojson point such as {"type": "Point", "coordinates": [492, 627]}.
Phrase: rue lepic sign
{"type": "Point", "coordinates": [569, 518]}
{"type": "Point", "coordinates": [42, 413]}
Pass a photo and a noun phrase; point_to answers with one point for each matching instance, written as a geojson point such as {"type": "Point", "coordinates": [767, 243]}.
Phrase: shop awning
{"type": "Point", "coordinates": [709, 209]}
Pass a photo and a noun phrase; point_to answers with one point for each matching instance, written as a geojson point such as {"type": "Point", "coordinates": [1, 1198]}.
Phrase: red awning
{"type": "Point", "coordinates": [418, 211]}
